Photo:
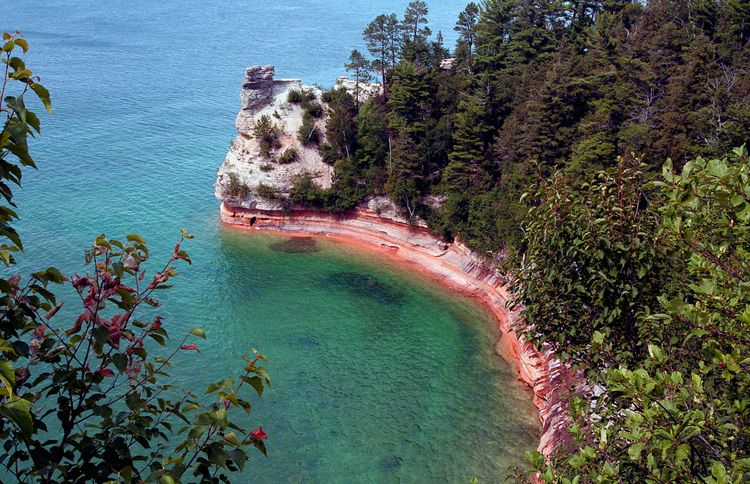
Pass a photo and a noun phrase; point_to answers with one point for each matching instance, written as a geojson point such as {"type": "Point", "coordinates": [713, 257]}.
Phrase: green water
{"type": "Point", "coordinates": [378, 374]}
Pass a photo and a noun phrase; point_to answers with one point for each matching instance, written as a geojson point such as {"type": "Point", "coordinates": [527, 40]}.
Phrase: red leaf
{"type": "Point", "coordinates": [105, 372]}
{"type": "Point", "coordinates": [190, 347]}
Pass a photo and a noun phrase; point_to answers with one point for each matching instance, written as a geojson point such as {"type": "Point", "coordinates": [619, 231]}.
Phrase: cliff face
{"type": "Point", "coordinates": [246, 168]}
{"type": "Point", "coordinates": [262, 95]}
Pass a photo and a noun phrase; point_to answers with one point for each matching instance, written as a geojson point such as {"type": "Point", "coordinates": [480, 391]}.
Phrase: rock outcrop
{"type": "Point", "coordinates": [247, 170]}
{"type": "Point", "coordinates": [257, 89]}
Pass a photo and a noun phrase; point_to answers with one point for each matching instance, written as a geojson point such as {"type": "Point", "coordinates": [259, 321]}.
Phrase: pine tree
{"type": "Point", "coordinates": [472, 130]}
{"type": "Point", "coordinates": [415, 31]}
{"type": "Point", "coordinates": [530, 37]}
{"type": "Point", "coordinates": [405, 173]}
{"type": "Point", "coordinates": [739, 17]}
{"type": "Point", "coordinates": [438, 50]}
{"type": "Point", "coordinates": [372, 134]}
{"type": "Point", "coordinates": [415, 21]}
{"type": "Point", "coordinates": [361, 69]}
{"type": "Point", "coordinates": [466, 26]}
{"type": "Point", "coordinates": [493, 33]}
{"type": "Point", "coordinates": [376, 36]}
{"type": "Point", "coordinates": [392, 30]}
{"type": "Point", "coordinates": [341, 130]}
{"type": "Point", "coordinates": [409, 99]}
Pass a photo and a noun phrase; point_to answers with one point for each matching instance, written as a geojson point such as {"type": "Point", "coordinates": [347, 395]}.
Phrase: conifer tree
{"type": "Point", "coordinates": [409, 99]}
{"type": "Point", "coordinates": [360, 67]}
{"type": "Point", "coordinates": [373, 135]}
{"type": "Point", "coordinates": [470, 137]}
{"type": "Point", "coordinates": [341, 130]}
{"type": "Point", "coordinates": [393, 39]}
{"type": "Point", "coordinates": [405, 173]}
{"type": "Point", "coordinates": [415, 21]}
{"type": "Point", "coordinates": [466, 26]}
{"type": "Point", "coordinates": [376, 36]}
{"type": "Point", "coordinates": [493, 33]}
{"type": "Point", "coordinates": [415, 31]}
{"type": "Point", "coordinates": [438, 50]}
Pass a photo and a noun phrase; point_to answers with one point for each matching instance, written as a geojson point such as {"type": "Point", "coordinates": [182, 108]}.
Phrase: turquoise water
{"type": "Point", "coordinates": [377, 375]}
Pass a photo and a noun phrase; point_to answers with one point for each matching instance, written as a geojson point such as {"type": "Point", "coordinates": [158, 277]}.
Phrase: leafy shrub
{"type": "Point", "coordinates": [266, 191]}
{"type": "Point", "coordinates": [235, 187]}
{"type": "Point", "coordinates": [297, 96]}
{"type": "Point", "coordinates": [306, 192]}
{"type": "Point", "coordinates": [314, 109]}
{"type": "Point", "coordinates": [328, 153]}
{"type": "Point", "coordinates": [266, 167]}
{"type": "Point", "coordinates": [267, 134]}
{"type": "Point", "coordinates": [289, 156]}
{"type": "Point", "coordinates": [666, 342]}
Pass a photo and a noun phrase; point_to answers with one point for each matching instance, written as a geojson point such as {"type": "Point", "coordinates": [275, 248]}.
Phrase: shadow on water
{"type": "Point", "coordinates": [363, 286]}
{"type": "Point", "coordinates": [296, 245]}
{"type": "Point", "coordinates": [391, 462]}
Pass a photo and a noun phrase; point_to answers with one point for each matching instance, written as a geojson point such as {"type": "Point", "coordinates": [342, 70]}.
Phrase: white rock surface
{"type": "Point", "coordinates": [263, 95]}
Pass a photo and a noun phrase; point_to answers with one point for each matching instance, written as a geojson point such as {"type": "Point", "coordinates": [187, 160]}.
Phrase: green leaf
{"type": "Point", "coordinates": [231, 437]}
{"type": "Point", "coordinates": [634, 451]}
{"type": "Point", "coordinates": [689, 431]}
{"type": "Point", "coordinates": [23, 43]}
{"type": "Point", "coordinates": [18, 411]}
{"type": "Point", "coordinates": [119, 268]}
{"type": "Point", "coordinates": [6, 369]}
{"type": "Point", "coordinates": [717, 168]}
{"type": "Point", "coordinates": [43, 95]}
{"type": "Point", "coordinates": [198, 332]}
{"type": "Point", "coordinates": [256, 382]}
{"type": "Point", "coordinates": [121, 362]}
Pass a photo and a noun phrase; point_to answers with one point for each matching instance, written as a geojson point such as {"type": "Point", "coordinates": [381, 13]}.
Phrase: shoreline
{"type": "Point", "coordinates": [454, 267]}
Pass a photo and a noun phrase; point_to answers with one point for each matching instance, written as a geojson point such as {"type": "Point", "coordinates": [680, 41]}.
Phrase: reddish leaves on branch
{"type": "Point", "coordinates": [258, 434]}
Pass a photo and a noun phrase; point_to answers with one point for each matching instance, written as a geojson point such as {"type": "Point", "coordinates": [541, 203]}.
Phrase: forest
{"type": "Point", "coordinates": [532, 87]}
{"type": "Point", "coordinates": [595, 151]}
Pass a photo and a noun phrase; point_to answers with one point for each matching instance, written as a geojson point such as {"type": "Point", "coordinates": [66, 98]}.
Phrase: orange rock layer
{"type": "Point", "coordinates": [452, 265]}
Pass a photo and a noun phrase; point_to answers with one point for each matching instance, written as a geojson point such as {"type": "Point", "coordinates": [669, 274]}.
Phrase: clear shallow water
{"type": "Point", "coordinates": [396, 381]}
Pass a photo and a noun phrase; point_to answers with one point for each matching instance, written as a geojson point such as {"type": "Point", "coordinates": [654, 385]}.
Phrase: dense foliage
{"type": "Point", "coordinates": [638, 278]}
{"type": "Point", "coordinates": [82, 392]}
{"type": "Point", "coordinates": [535, 86]}
{"type": "Point", "coordinates": [652, 302]}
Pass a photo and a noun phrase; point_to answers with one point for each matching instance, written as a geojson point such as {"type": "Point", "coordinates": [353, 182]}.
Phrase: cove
{"type": "Point", "coordinates": [396, 382]}
{"type": "Point", "coordinates": [378, 374]}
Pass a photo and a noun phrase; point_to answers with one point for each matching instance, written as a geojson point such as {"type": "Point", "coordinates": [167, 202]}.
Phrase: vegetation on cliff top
{"type": "Point", "coordinates": [535, 86]}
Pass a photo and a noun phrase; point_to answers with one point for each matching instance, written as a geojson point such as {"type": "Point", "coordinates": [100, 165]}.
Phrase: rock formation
{"type": "Point", "coordinates": [246, 169]}
{"type": "Point", "coordinates": [257, 89]}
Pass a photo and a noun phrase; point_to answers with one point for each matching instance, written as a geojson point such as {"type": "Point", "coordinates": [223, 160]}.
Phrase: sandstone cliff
{"type": "Point", "coordinates": [246, 168]}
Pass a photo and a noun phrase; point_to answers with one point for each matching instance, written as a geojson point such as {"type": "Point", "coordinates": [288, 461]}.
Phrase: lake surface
{"type": "Point", "coordinates": [377, 376]}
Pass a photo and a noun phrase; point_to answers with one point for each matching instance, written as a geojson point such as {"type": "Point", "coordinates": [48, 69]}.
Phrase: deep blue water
{"type": "Point", "coordinates": [398, 382]}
